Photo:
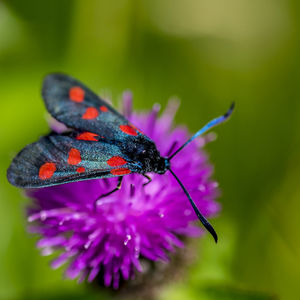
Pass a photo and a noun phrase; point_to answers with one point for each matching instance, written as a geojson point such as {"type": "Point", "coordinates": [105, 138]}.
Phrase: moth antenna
{"type": "Point", "coordinates": [206, 127]}
{"type": "Point", "coordinates": [203, 220]}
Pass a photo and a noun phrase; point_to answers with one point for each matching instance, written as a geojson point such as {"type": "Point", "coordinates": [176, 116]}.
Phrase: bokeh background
{"type": "Point", "coordinates": [207, 53]}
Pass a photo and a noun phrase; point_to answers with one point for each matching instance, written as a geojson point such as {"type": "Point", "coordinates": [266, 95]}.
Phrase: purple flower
{"type": "Point", "coordinates": [113, 233]}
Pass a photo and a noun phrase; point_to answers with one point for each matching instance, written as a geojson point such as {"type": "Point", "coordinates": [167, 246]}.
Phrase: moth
{"type": "Point", "coordinates": [102, 143]}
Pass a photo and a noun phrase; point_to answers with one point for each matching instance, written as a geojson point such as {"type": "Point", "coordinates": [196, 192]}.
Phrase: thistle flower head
{"type": "Point", "coordinates": [112, 234]}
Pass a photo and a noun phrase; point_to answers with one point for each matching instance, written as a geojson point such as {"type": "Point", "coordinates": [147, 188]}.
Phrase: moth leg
{"type": "Point", "coordinates": [149, 179]}
{"type": "Point", "coordinates": [114, 190]}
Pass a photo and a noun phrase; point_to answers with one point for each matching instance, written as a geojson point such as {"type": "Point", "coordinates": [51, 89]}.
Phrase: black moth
{"type": "Point", "coordinates": [102, 143]}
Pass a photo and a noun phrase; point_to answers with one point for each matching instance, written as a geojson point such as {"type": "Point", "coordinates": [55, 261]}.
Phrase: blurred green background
{"type": "Point", "coordinates": [206, 52]}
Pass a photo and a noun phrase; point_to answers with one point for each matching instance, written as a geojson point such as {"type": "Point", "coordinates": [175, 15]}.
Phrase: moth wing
{"type": "Point", "coordinates": [57, 159]}
{"type": "Point", "coordinates": [72, 103]}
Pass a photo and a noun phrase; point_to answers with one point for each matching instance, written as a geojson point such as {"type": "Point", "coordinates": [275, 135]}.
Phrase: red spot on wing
{"type": "Point", "coordinates": [103, 108]}
{"type": "Point", "coordinates": [120, 171]}
{"type": "Point", "coordinates": [116, 161]}
{"type": "Point", "coordinates": [128, 129]}
{"type": "Point", "coordinates": [74, 157]}
{"type": "Point", "coordinates": [76, 94]}
{"type": "Point", "coordinates": [90, 113]}
{"type": "Point", "coordinates": [87, 136]}
{"type": "Point", "coordinates": [47, 170]}
{"type": "Point", "coordinates": [80, 170]}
